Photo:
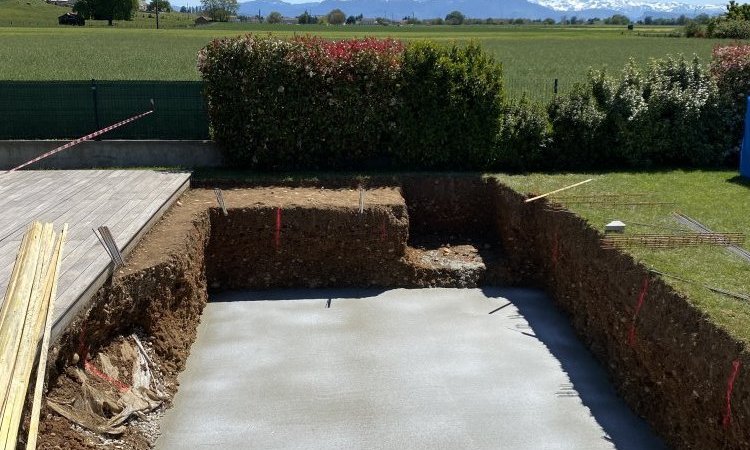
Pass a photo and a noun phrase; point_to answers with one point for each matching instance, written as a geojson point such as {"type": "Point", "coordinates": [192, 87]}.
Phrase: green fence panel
{"type": "Point", "coordinates": [70, 109]}
{"type": "Point", "coordinates": [30, 110]}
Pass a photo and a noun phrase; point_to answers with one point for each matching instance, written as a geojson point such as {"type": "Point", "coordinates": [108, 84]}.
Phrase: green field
{"type": "Point", "coordinates": [533, 56]}
{"type": "Point", "coordinates": [719, 200]}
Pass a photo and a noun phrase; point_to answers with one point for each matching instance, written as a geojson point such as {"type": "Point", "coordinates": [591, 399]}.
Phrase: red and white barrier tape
{"type": "Point", "coordinates": [82, 139]}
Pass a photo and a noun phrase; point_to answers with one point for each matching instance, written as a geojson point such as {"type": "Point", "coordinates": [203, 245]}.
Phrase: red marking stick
{"type": "Point", "coordinates": [82, 347]}
{"type": "Point", "coordinates": [277, 235]}
{"type": "Point", "coordinates": [555, 250]}
{"type": "Point", "coordinates": [727, 419]}
{"type": "Point", "coordinates": [641, 299]}
{"type": "Point", "coordinates": [383, 234]}
{"type": "Point", "coordinates": [82, 139]}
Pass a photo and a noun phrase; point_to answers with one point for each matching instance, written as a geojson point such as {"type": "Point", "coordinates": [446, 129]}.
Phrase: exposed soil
{"type": "Point", "coordinates": [675, 372]}
{"type": "Point", "coordinates": [160, 292]}
{"type": "Point", "coordinates": [450, 231]}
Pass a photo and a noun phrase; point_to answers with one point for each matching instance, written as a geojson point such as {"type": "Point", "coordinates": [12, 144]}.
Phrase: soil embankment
{"type": "Point", "coordinates": [674, 369]}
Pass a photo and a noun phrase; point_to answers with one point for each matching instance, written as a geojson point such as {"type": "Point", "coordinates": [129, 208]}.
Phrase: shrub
{"type": "Point", "coordinates": [451, 99]}
{"type": "Point", "coordinates": [681, 123]}
{"type": "Point", "coordinates": [523, 139]}
{"type": "Point", "coordinates": [694, 30]}
{"type": "Point", "coordinates": [730, 29]}
{"type": "Point", "coordinates": [301, 103]}
{"type": "Point", "coordinates": [730, 67]}
{"type": "Point", "coordinates": [668, 116]}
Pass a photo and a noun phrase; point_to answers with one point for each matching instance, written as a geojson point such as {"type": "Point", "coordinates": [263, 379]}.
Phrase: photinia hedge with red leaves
{"type": "Point", "coordinates": [730, 67]}
{"type": "Point", "coordinates": [309, 103]}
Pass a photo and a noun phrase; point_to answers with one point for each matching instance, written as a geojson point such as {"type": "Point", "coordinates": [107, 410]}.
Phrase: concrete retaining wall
{"type": "Point", "coordinates": [115, 153]}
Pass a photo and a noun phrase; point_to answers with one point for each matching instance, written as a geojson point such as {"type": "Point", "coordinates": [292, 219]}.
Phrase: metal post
{"type": "Point", "coordinates": [156, 2]}
{"type": "Point", "coordinates": [555, 86]}
{"type": "Point", "coordinates": [95, 97]}
{"type": "Point", "coordinates": [745, 151]}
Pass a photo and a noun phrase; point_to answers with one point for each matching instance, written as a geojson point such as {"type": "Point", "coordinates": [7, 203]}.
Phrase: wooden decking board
{"type": "Point", "coordinates": [28, 203]}
{"type": "Point", "coordinates": [125, 201]}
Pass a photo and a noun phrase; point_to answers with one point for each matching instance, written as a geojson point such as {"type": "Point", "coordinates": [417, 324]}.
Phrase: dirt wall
{"type": "Point", "coordinates": [161, 293]}
{"type": "Point", "coordinates": [458, 205]}
{"type": "Point", "coordinates": [320, 247]}
{"type": "Point", "coordinates": [674, 373]}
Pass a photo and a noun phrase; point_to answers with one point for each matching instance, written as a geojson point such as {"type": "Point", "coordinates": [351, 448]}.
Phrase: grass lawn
{"type": "Point", "coordinates": [717, 199]}
{"type": "Point", "coordinates": [533, 56]}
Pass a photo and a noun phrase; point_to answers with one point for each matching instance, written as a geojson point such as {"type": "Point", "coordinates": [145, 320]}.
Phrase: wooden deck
{"type": "Point", "coordinates": [127, 201]}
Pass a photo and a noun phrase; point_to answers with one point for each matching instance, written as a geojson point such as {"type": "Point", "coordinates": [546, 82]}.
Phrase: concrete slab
{"type": "Point", "coordinates": [428, 368]}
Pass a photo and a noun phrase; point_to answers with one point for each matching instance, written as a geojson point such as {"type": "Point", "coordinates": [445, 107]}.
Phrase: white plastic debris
{"type": "Point", "coordinates": [615, 226]}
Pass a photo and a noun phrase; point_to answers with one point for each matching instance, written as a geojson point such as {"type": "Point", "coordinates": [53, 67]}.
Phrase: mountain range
{"type": "Point", "coordinates": [538, 9]}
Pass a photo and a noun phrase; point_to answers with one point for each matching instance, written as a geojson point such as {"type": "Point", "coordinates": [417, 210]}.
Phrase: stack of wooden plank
{"type": "Point", "coordinates": [25, 324]}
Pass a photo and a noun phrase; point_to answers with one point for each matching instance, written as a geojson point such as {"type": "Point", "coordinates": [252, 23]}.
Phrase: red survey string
{"type": "Point", "coordinates": [119, 385]}
{"type": "Point", "coordinates": [730, 387]}
{"type": "Point", "coordinates": [641, 299]}
{"type": "Point", "coordinates": [82, 139]}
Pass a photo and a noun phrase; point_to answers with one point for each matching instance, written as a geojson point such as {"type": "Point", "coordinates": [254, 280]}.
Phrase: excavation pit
{"type": "Point", "coordinates": [411, 232]}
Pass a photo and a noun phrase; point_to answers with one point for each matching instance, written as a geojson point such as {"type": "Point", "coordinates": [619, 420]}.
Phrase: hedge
{"type": "Point", "coordinates": [307, 103]}
{"type": "Point", "coordinates": [315, 104]}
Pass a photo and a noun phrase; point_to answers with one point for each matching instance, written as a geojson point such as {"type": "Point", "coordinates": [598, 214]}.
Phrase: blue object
{"type": "Point", "coordinates": [745, 152]}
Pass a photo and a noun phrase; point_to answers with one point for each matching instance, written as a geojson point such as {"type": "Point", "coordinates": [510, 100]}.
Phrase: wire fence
{"type": "Point", "coordinates": [68, 109]}
{"type": "Point", "coordinates": [539, 90]}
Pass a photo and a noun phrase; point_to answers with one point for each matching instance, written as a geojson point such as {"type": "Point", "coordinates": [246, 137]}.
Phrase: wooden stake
{"type": "Point", "coordinates": [54, 274]}
{"type": "Point", "coordinates": [25, 319]}
{"type": "Point", "coordinates": [558, 190]}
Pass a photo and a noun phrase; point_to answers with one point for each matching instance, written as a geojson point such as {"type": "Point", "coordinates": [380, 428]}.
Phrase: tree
{"type": "Point", "coordinates": [108, 10]}
{"type": "Point", "coordinates": [164, 6]}
{"type": "Point", "coordinates": [736, 11]}
{"type": "Point", "coordinates": [220, 10]}
{"type": "Point", "coordinates": [617, 19]}
{"type": "Point", "coordinates": [351, 20]}
{"type": "Point", "coordinates": [454, 18]}
{"type": "Point", "coordinates": [336, 17]}
{"type": "Point", "coordinates": [306, 19]}
{"type": "Point", "coordinates": [274, 17]}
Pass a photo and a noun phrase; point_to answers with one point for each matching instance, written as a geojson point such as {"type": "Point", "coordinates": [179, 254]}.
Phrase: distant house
{"type": "Point", "coordinates": [202, 20]}
{"type": "Point", "coordinates": [289, 20]}
{"type": "Point", "coordinates": [368, 21]}
{"type": "Point", "coordinates": [70, 18]}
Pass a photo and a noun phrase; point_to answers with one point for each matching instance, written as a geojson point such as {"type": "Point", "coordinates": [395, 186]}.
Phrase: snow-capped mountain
{"type": "Point", "coordinates": [632, 8]}
{"type": "Point", "coordinates": [530, 9]}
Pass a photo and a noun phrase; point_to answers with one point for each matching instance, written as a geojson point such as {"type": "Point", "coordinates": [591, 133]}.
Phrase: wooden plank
{"type": "Point", "coordinates": [558, 190]}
